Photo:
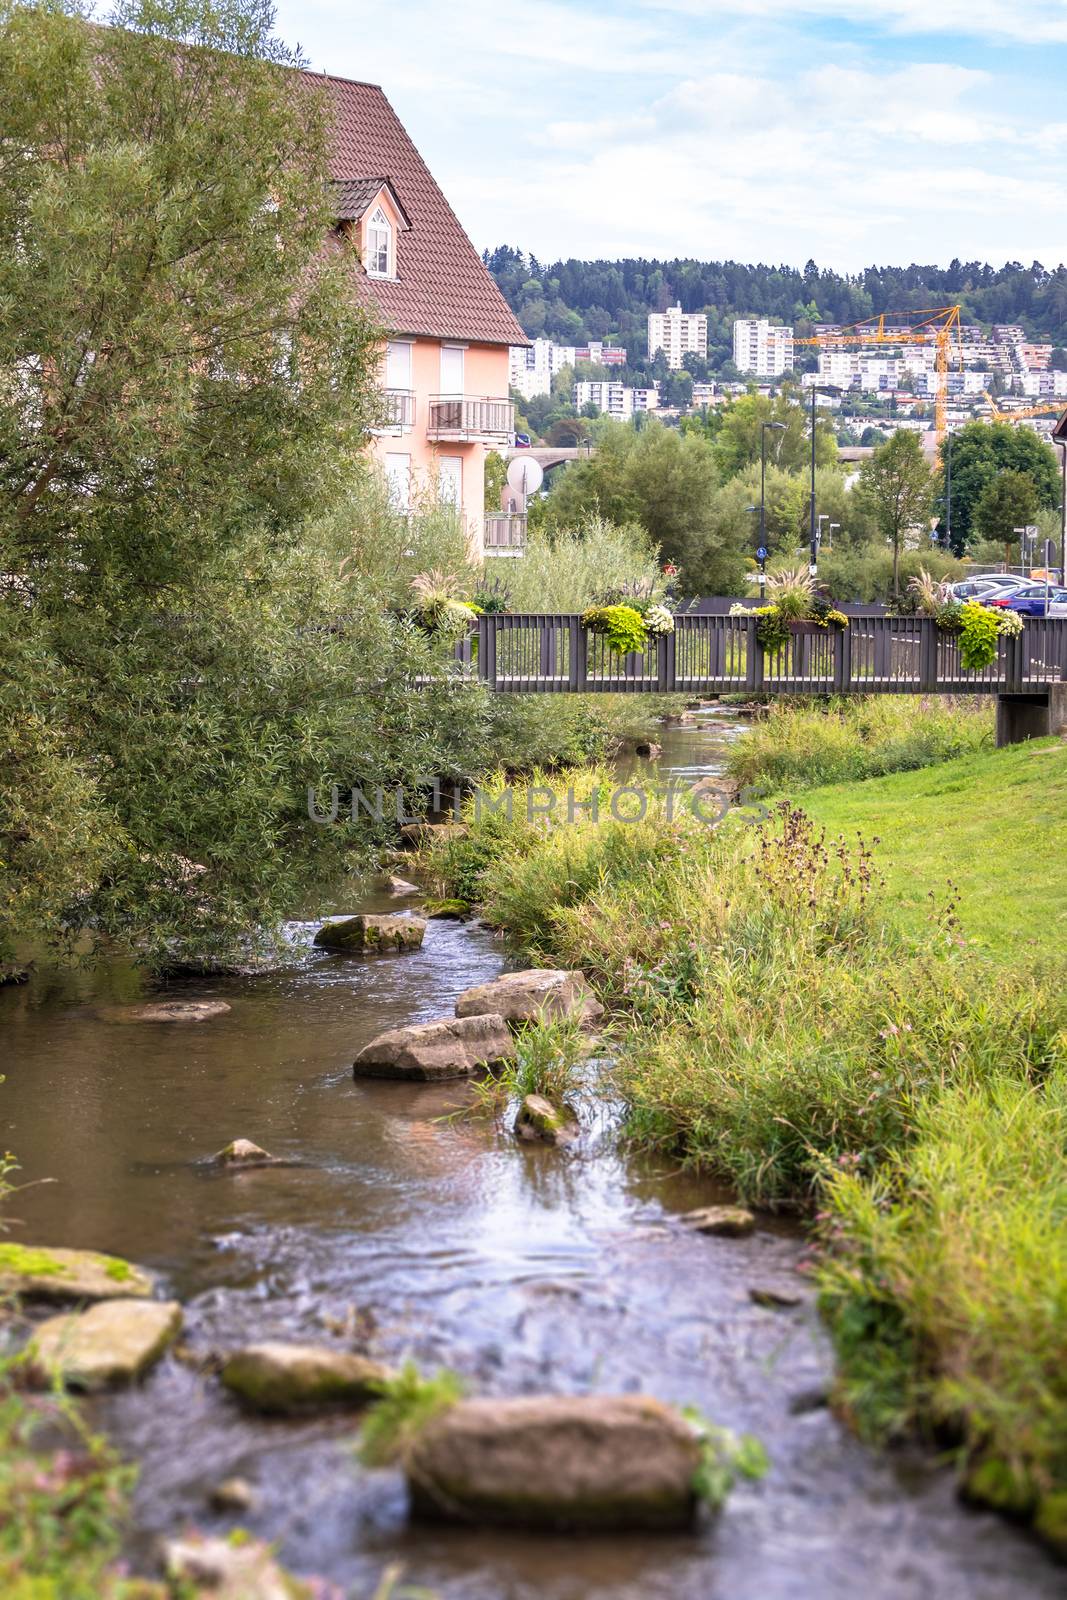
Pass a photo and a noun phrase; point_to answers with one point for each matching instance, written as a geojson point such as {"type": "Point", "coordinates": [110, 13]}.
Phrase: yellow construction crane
{"type": "Point", "coordinates": [1050, 408]}
{"type": "Point", "coordinates": [939, 327]}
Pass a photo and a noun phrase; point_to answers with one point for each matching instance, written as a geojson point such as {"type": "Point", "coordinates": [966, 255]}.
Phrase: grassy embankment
{"type": "Point", "coordinates": [800, 1016]}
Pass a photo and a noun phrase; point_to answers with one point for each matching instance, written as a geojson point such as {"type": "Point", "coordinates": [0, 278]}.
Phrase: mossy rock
{"type": "Point", "coordinates": [112, 1343]}
{"type": "Point", "coordinates": [539, 1120]}
{"type": "Point", "coordinates": [41, 1273]}
{"type": "Point", "coordinates": [367, 935]}
{"type": "Point", "coordinates": [992, 1481]}
{"type": "Point", "coordinates": [1050, 1521]}
{"type": "Point", "coordinates": [440, 910]}
{"type": "Point", "coordinates": [281, 1378]}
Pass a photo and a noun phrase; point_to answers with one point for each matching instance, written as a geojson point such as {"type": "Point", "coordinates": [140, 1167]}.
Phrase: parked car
{"type": "Point", "coordinates": [1031, 603]}
{"type": "Point", "coordinates": [978, 588]}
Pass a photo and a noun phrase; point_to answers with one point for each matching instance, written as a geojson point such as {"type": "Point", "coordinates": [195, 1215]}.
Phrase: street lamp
{"type": "Point", "coordinates": [830, 531]}
{"type": "Point", "coordinates": [948, 491]}
{"type": "Point", "coordinates": [816, 389]}
{"type": "Point", "coordinates": [1063, 511]}
{"type": "Point", "coordinates": [761, 552]}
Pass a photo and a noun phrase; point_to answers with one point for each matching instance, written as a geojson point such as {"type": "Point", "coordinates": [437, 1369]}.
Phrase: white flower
{"type": "Point", "coordinates": [659, 620]}
{"type": "Point", "coordinates": [1009, 624]}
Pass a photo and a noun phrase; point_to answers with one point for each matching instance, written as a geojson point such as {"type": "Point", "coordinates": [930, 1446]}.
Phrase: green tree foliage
{"type": "Point", "coordinates": [896, 491]}
{"type": "Point", "coordinates": [1008, 502]}
{"type": "Point", "coordinates": [666, 482]}
{"type": "Point", "coordinates": [185, 382]}
{"type": "Point", "coordinates": [980, 451]}
{"type": "Point", "coordinates": [736, 430]}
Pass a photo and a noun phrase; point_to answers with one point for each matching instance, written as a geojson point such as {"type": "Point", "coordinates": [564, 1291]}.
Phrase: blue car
{"type": "Point", "coordinates": [1032, 603]}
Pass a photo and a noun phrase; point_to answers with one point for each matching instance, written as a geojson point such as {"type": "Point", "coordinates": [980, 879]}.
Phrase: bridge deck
{"type": "Point", "coordinates": [551, 653]}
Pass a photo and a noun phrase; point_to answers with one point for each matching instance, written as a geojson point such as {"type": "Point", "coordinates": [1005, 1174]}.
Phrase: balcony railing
{"type": "Point", "coordinates": [465, 417]}
{"type": "Point", "coordinates": [505, 532]}
{"type": "Point", "coordinates": [397, 411]}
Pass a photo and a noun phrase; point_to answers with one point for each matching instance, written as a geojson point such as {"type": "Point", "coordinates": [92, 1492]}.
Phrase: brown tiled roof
{"type": "Point", "coordinates": [443, 287]}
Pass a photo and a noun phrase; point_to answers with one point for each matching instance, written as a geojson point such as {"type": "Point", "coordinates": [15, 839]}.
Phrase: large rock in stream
{"type": "Point", "coordinates": [281, 1378]}
{"type": "Point", "coordinates": [535, 995]}
{"type": "Point", "coordinates": [367, 935]}
{"type": "Point", "coordinates": [539, 1120]}
{"type": "Point", "coordinates": [38, 1272]}
{"type": "Point", "coordinates": [586, 1463]}
{"type": "Point", "coordinates": [452, 1047]}
{"type": "Point", "coordinates": [112, 1343]}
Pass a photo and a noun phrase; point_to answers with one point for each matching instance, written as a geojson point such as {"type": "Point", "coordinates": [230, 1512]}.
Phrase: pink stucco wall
{"type": "Point", "coordinates": [485, 372]}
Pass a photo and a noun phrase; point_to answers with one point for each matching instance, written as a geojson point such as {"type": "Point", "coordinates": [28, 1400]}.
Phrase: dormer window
{"type": "Point", "coordinates": [379, 254]}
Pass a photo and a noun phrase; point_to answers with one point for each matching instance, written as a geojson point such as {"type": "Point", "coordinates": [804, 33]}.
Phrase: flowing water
{"type": "Point", "coordinates": [526, 1269]}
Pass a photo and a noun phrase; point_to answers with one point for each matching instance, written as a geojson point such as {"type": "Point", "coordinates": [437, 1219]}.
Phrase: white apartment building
{"type": "Point", "coordinates": [1044, 385]}
{"type": "Point", "coordinates": [532, 368]}
{"type": "Point", "coordinates": [677, 333]}
{"type": "Point", "coordinates": [615, 399]}
{"type": "Point", "coordinates": [762, 348]}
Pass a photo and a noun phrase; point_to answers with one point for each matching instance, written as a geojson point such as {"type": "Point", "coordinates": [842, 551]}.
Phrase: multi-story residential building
{"type": "Point", "coordinates": [445, 358]}
{"type": "Point", "coordinates": [1035, 357]}
{"type": "Point", "coordinates": [615, 399]}
{"type": "Point", "coordinates": [532, 367]}
{"type": "Point", "coordinates": [762, 348]}
{"type": "Point", "coordinates": [677, 333]}
{"type": "Point", "coordinates": [1041, 385]}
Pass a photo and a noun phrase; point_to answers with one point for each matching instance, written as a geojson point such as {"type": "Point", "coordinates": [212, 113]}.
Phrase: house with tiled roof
{"type": "Point", "coordinates": [445, 362]}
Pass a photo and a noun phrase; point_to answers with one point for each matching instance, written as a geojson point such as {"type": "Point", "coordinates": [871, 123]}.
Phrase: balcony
{"type": "Point", "coordinates": [397, 411]}
{"type": "Point", "coordinates": [470, 419]}
{"type": "Point", "coordinates": [505, 533]}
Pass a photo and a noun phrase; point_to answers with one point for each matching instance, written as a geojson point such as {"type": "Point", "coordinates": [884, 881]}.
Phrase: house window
{"type": "Point", "coordinates": [379, 246]}
{"type": "Point", "coordinates": [398, 364]}
{"type": "Point", "coordinates": [451, 369]}
{"type": "Point", "coordinates": [450, 480]}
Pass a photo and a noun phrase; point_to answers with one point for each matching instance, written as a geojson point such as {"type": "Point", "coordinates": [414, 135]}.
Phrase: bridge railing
{"type": "Point", "coordinates": [551, 653]}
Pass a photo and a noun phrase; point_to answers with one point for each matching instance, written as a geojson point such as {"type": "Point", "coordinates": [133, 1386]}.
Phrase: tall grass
{"type": "Point", "coordinates": [797, 748]}
{"type": "Point", "coordinates": [946, 1289]}
{"type": "Point", "coordinates": [570, 569]}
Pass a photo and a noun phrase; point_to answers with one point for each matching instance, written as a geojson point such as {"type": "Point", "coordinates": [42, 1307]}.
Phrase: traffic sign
{"type": "Point", "coordinates": [761, 553]}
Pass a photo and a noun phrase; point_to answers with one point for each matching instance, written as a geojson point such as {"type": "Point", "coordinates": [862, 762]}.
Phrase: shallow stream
{"type": "Point", "coordinates": [524, 1268]}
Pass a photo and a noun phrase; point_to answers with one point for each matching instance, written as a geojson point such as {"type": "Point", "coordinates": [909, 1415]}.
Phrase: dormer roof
{"type": "Point", "coordinates": [354, 197]}
{"type": "Point", "coordinates": [442, 288]}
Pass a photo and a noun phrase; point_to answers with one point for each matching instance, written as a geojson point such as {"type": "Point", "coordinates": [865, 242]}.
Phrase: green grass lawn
{"type": "Point", "coordinates": [994, 823]}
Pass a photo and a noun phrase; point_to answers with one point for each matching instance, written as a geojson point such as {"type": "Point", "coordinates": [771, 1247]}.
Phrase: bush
{"type": "Point", "coordinates": [803, 747]}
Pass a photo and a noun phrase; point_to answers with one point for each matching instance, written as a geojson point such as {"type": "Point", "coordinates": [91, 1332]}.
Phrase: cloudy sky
{"type": "Point", "coordinates": [850, 131]}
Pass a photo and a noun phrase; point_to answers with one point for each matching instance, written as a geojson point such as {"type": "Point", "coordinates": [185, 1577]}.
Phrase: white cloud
{"type": "Point", "coordinates": [670, 127]}
{"type": "Point", "coordinates": [1023, 21]}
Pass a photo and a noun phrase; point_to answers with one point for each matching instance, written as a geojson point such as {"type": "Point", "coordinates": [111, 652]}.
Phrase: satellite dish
{"type": "Point", "coordinates": [525, 475]}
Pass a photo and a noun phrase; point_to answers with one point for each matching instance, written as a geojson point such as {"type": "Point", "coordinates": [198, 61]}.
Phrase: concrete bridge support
{"type": "Point", "coordinates": [1031, 716]}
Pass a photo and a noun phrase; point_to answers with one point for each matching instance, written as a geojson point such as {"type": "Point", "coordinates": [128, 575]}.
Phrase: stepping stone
{"type": "Point", "coordinates": [587, 1463]}
{"type": "Point", "coordinates": [539, 1119]}
{"type": "Point", "coordinates": [112, 1343]}
{"type": "Point", "coordinates": [167, 1011]}
{"type": "Point", "coordinates": [36, 1272]}
{"type": "Point", "coordinates": [366, 935]}
{"type": "Point", "coordinates": [532, 996]}
{"type": "Point", "coordinates": [452, 1047]}
{"type": "Point", "coordinates": [281, 1378]}
{"type": "Point", "coordinates": [729, 1222]}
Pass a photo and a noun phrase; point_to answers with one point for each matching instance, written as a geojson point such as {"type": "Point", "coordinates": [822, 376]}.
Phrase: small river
{"type": "Point", "coordinates": [526, 1269]}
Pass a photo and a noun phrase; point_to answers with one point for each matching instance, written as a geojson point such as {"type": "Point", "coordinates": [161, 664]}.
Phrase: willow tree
{"type": "Point", "coordinates": [185, 381]}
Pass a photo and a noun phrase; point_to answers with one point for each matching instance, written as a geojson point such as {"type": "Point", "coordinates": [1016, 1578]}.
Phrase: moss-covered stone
{"type": "Point", "coordinates": [371, 935]}
{"type": "Point", "coordinates": [538, 1119]}
{"type": "Point", "coordinates": [112, 1343]}
{"type": "Point", "coordinates": [280, 1378]}
{"type": "Point", "coordinates": [1050, 1521]}
{"type": "Point", "coordinates": [992, 1481]}
{"type": "Point", "coordinates": [729, 1222]}
{"type": "Point", "coordinates": [40, 1273]}
{"type": "Point", "coordinates": [444, 909]}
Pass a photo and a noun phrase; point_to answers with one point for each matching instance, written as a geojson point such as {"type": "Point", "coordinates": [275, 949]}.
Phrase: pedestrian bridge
{"type": "Point", "coordinates": [551, 653]}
